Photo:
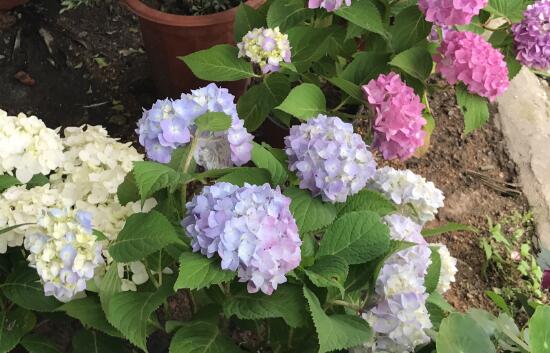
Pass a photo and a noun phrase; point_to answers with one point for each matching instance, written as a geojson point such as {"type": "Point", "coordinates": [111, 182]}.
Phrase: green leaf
{"type": "Point", "coordinates": [213, 121]}
{"type": "Point", "coordinates": [434, 271]}
{"type": "Point", "coordinates": [286, 14]}
{"type": "Point", "coordinates": [262, 158]}
{"type": "Point", "coordinates": [246, 19]}
{"type": "Point", "coordinates": [459, 333]}
{"type": "Point", "coordinates": [416, 61]}
{"type": "Point", "coordinates": [449, 228]}
{"type": "Point", "coordinates": [14, 324]}
{"type": "Point", "coordinates": [23, 287]}
{"type": "Point", "coordinates": [337, 332]}
{"type": "Point", "coordinates": [128, 190]}
{"type": "Point", "coordinates": [142, 235]}
{"type": "Point", "coordinates": [539, 330]}
{"type": "Point", "coordinates": [10, 228]}
{"type": "Point", "coordinates": [219, 63]}
{"type": "Point", "coordinates": [348, 87]}
{"type": "Point", "coordinates": [110, 285]}
{"type": "Point", "coordinates": [365, 67]}
{"type": "Point", "coordinates": [310, 213]}
{"type": "Point", "coordinates": [202, 337]}
{"type": "Point", "coordinates": [329, 271]}
{"type": "Point", "coordinates": [366, 200]}
{"type": "Point", "coordinates": [37, 180]}
{"type": "Point", "coordinates": [258, 101]}
{"type": "Point", "coordinates": [151, 177]}
{"type": "Point", "coordinates": [89, 312]}
{"type": "Point", "coordinates": [357, 237]}
{"type": "Point", "coordinates": [197, 271]}
{"type": "Point", "coordinates": [437, 299]}
{"type": "Point", "coordinates": [474, 108]}
{"type": "Point", "coordinates": [287, 302]}
{"type": "Point", "coordinates": [96, 342]}
{"type": "Point", "coordinates": [365, 14]}
{"type": "Point", "coordinates": [304, 101]}
{"type": "Point", "coordinates": [130, 312]}
{"type": "Point", "coordinates": [499, 301]}
{"type": "Point", "coordinates": [254, 176]}
{"type": "Point", "coordinates": [34, 343]}
{"type": "Point", "coordinates": [409, 29]}
{"type": "Point", "coordinates": [513, 10]}
{"type": "Point", "coordinates": [309, 45]}
{"type": "Point", "coordinates": [7, 181]}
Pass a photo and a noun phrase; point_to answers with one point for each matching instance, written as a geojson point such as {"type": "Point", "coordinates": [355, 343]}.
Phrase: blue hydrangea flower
{"type": "Point", "coordinates": [170, 124]}
{"type": "Point", "coordinates": [329, 159]}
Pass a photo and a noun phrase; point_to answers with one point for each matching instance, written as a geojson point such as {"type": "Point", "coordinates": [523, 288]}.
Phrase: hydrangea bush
{"type": "Point", "coordinates": [310, 245]}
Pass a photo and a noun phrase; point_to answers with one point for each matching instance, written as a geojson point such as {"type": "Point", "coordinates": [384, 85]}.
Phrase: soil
{"type": "Point", "coordinates": [88, 66]}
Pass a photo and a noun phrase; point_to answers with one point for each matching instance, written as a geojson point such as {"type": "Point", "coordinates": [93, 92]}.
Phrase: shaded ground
{"type": "Point", "coordinates": [95, 72]}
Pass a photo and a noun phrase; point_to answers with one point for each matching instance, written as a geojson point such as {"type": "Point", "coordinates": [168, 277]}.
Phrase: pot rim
{"type": "Point", "coordinates": [144, 11]}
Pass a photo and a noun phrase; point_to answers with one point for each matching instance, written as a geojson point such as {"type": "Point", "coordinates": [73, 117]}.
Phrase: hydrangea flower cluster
{"type": "Point", "coordinates": [467, 57]}
{"type": "Point", "coordinates": [329, 158]}
{"type": "Point", "coordinates": [169, 124]}
{"type": "Point", "coordinates": [398, 116]}
{"type": "Point", "coordinates": [64, 252]}
{"type": "Point", "coordinates": [20, 206]}
{"type": "Point", "coordinates": [420, 198]}
{"type": "Point", "coordinates": [329, 5]}
{"type": "Point", "coordinates": [401, 318]}
{"type": "Point", "coordinates": [28, 147]}
{"type": "Point", "coordinates": [250, 228]}
{"type": "Point", "coordinates": [532, 36]}
{"type": "Point", "coordinates": [451, 12]}
{"type": "Point", "coordinates": [448, 269]}
{"type": "Point", "coordinates": [267, 47]}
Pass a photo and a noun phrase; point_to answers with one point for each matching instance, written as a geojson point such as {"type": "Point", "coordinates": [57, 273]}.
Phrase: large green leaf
{"type": "Point", "coordinates": [337, 332]}
{"type": "Point", "coordinates": [512, 9]}
{"type": "Point", "coordinates": [34, 343]}
{"type": "Point", "coordinates": [365, 14]}
{"type": "Point", "coordinates": [459, 333]}
{"type": "Point", "coordinates": [246, 19]}
{"type": "Point", "coordinates": [366, 200]}
{"type": "Point", "coordinates": [310, 213]}
{"type": "Point", "coordinates": [409, 29]}
{"type": "Point", "coordinates": [254, 176]}
{"type": "Point", "coordinates": [110, 285]}
{"type": "Point", "coordinates": [96, 342]}
{"type": "Point", "coordinates": [263, 158]}
{"type": "Point", "coordinates": [357, 237]}
{"type": "Point", "coordinates": [202, 337]}
{"type": "Point", "coordinates": [89, 312]}
{"type": "Point", "coordinates": [287, 302]}
{"type": "Point", "coordinates": [329, 271]}
{"type": "Point", "coordinates": [286, 14]}
{"type": "Point", "coordinates": [539, 330]}
{"type": "Point", "coordinates": [142, 235]}
{"type": "Point", "coordinates": [258, 101]}
{"type": "Point", "coordinates": [219, 63]}
{"type": "Point", "coordinates": [416, 61]}
{"type": "Point", "coordinates": [448, 228]}
{"type": "Point", "coordinates": [310, 44]}
{"type": "Point", "coordinates": [304, 101]}
{"type": "Point", "coordinates": [474, 108]}
{"type": "Point", "coordinates": [130, 312]}
{"type": "Point", "coordinates": [213, 121]}
{"type": "Point", "coordinates": [366, 66]}
{"type": "Point", "coordinates": [14, 324]}
{"type": "Point", "coordinates": [23, 287]}
{"type": "Point", "coordinates": [128, 190]}
{"type": "Point", "coordinates": [151, 177]}
{"type": "Point", "coordinates": [197, 271]}
{"type": "Point", "coordinates": [7, 181]}
{"type": "Point", "coordinates": [350, 88]}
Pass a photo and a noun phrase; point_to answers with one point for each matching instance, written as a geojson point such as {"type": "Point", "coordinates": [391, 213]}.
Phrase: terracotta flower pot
{"type": "Point", "coordinates": [168, 36]}
{"type": "Point", "coordinates": [6, 5]}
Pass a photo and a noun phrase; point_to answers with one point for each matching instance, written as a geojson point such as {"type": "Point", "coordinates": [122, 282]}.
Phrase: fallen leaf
{"type": "Point", "coordinates": [25, 78]}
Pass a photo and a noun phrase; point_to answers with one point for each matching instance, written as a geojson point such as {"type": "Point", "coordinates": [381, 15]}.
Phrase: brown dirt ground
{"type": "Point", "coordinates": [74, 87]}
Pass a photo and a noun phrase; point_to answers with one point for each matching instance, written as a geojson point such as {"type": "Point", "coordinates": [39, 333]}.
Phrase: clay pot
{"type": "Point", "coordinates": [6, 5]}
{"type": "Point", "coordinates": [167, 36]}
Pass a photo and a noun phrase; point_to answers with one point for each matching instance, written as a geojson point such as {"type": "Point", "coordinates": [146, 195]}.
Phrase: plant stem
{"type": "Point", "coordinates": [290, 337]}
{"type": "Point", "coordinates": [347, 305]}
{"type": "Point", "coordinates": [191, 152]}
{"type": "Point", "coordinates": [151, 276]}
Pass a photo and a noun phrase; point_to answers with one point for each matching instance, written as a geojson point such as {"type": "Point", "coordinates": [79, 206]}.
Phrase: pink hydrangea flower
{"type": "Point", "coordinates": [467, 57]}
{"type": "Point", "coordinates": [451, 12]}
{"type": "Point", "coordinates": [398, 116]}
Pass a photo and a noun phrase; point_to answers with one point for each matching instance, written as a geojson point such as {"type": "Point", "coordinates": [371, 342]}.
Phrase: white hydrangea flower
{"type": "Point", "coordinates": [19, 206]}
{"type": "Point", "coordinates": [28, 147]}
{"type": "Point", "coordinates": [64, 252]}
{"type": "Point", "coordinates": [267, 47]}
{"type": "Point", "coordinates": [420, 198]}
{"type": "Point", "coordinates": [448, 269]}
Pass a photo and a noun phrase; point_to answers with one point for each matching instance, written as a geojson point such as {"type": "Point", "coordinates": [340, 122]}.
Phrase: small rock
{"type": "Point", "coordinates": [24, 78]}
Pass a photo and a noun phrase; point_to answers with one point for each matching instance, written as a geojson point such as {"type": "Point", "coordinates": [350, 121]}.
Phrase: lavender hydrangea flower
{"type": "Point", "coordinates": [250, 228]}
{"type": "Point", "coordinates": [169, 124]}
{"type": "Point", "coordinates": [329, 5]}
{"type": "Point", "coordinates": [532, 36]}
{"type": "Point", "coordinates": [65, 253]}
{"type": "Point", "coordinates": [329, 159]}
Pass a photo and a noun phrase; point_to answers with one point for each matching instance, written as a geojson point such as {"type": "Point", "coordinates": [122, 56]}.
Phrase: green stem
{"type": "Point", "coordinates": [342, 104]}
{"type": "Point", "coordinates": [290, 338]}
{"type": "Point", "coordinates": [427, 102]}
{"type": "Point", "coordinates": [191, 152]}
{"type": "Point", "coordinates": [151, 276]}
{"type": "Point", "coordinates": [346, 305]}
{"type": "Point", "coordinates": [192, 302]}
